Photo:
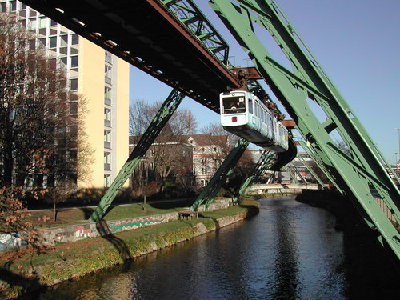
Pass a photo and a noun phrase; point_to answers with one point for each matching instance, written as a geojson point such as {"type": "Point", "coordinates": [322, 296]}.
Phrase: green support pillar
{"type": "Point", "coordinates": [263, 164]}
{"type": "Point", "coordinates": [207, 195]}
{"type": "Point", "coordinates": [360, 172]}
{"type": "Point", "coordinates": [157, 124]}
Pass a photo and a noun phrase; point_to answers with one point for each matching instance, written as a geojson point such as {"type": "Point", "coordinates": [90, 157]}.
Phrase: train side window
{"type": "Point", "coordinates": [250, 104]}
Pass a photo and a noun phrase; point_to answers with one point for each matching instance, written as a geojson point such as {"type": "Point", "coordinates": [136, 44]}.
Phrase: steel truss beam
{"type": "Point", "coordinates": [190, 15]}
{"type": "Point", "coordinates": [313, 174]}
{"type": "Point", "coordinates": [359, 172]}
{"type": "Point", "coordinates": [320, 164]}
{"type": "Point", "coordinates": [264, 163]}
{"type": "Point", "coordinates": [294, 173]}
{"type": "Point", "coordinates": [157, 124]}
{"type": "Point", "coordinates": [207, 195]}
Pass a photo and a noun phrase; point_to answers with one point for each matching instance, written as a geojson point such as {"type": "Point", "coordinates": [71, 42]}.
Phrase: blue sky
{"type": "Point", "coordinates": [357, 43]}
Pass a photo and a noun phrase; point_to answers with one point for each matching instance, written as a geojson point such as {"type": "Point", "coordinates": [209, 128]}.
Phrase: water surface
{"type": "Point", "coordinates": [288, 251]}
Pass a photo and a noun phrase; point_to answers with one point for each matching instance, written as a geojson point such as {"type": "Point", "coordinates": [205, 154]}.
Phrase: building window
{"type": "Point", "coordinates": [73, 155]}
{"type": "Point", "coordinates": [107, 139]}
{"type": "Point", "coordinates": [64, 41]}
{"type": "Point", "coordinates": [53, 42]}
{"type": "Point", "coordinates": [53, 23]}
{"type": "Point", "coordinates": [107, 135]}
{"type": "Point", "coordinates": [107, 117]}
{"type": "Point", "coordinates": [74, 39]}
{"type": "Point", "coordinates": [107, 180]}
{"type": "Point", "coordinates": [107, 95]}
{"type": "Point", "coordinates": [32, 13]}
{"type": "Point", "coordinates": [22, 23]}
{"type": "Point", "coordinates": [3, 7]}
{"type": "Point", "coordinates": [64, 50]}
{"type": "Point", "coordinates": [107, 157]}
{"type": "Point", "coordinates": [108, 57]}
{"type": "Point", "coordinates": [13, 5]}
{"type": "Point", "coordinates": [107, 161]}
{"type": "Point", "coordinates": [74, 61]}
{"type": "Point", "coordinates": [108, 74]}
{"type": "Point", "coordinates": [32, 25]}
{"type": "Point", "coordinates": [74, 84]}
{"type": "Point", "coordinates": [42, 23]}
{"type": "Point", "coordinates": [203, 171]}
{"type": "Point", "coordinates": [73, 108]}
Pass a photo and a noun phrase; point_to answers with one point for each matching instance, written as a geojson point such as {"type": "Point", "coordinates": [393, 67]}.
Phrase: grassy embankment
{"type": "Point", "coordinates": [68, 216]}
{"type": "Point", "coordinates": [68, 260]}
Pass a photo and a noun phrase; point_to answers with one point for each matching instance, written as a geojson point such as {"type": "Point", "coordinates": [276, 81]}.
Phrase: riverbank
{"type": "Point", "coordinates": [29, 270]}
{"type": "Point", "coordinates": [372, 269]}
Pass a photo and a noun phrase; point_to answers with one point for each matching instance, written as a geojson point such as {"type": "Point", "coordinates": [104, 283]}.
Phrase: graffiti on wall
{"type": "Point", "coordinates": [10, 241]}
{"type": "Point", "coordinates": [132, 224]}
{"type": "Point", "coordinates": [84, 231]}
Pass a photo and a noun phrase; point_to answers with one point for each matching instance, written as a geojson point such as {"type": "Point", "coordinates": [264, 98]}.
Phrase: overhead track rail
{"type": "Point", "coordinates": [151, 37]}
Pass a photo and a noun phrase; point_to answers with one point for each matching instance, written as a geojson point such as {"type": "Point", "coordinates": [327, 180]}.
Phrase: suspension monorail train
{"type": "Point", "coordinates": [246, 116]}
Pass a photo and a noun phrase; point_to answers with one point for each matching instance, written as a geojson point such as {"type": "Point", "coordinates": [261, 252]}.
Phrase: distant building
{"type": "Point", "coordinates": [101, 78]}
{"type": "Point", "coordinates": [297, 168]}
{"type": "Point", "coordinates": [199, 155]}
{"type": "Point", "coordinates": [208, 154]}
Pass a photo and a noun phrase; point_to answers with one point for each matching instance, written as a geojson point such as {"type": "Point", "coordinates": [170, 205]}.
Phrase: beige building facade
{"type": "Point", "coordinates": [102, 82]}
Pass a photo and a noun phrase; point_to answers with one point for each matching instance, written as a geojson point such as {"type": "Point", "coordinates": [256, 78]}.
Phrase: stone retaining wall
{"type": "Point", "coordinates": [84, 230]}
{"type": "Point", "coordinates": [81, 231]}
{"type": "Point", "coordinates": [71, 233]}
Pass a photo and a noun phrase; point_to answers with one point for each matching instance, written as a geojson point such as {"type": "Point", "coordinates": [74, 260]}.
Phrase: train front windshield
{"type": "Point", "coordinates": [234, 105]}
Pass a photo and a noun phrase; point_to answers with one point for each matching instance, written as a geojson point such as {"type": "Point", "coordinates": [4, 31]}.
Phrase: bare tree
{"type": "Point", "coordinates": [141, 113]}
{"type": "Point", "coordinates": [34, 110]}
{"type": "Point", "coordinates": [38, 116]}
{"type": "Point", "coordinates": [214, 130]}
{"type": "Point", "coordinates": [169, 155]}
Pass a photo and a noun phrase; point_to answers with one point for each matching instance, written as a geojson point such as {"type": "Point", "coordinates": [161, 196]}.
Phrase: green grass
{"type": "Point", "coordinates": [71, 216]}
{"type": "Point", "coordinates": [136, 210]}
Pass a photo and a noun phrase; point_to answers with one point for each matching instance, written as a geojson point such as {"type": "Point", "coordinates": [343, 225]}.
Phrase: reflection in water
{"type": "Point", "coordinates": [286, 261]}
{"type": "Point", "coordinates": [288, 251]}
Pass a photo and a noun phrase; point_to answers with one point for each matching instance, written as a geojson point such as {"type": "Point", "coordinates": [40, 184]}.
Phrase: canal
{"type": "Point", "coordinates": [288, 251]}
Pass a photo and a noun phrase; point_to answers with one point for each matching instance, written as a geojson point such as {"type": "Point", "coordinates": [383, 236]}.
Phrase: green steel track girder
{"type": "Point", "coordinates": [360, 173]}
{"type": "Point", "coordinates": [157, 124]}
{"type": "Point", "coordinates": [264, 163]}
{"type": "Point", "coordinates": [190, 15]}
{"type": "Point", "coordinates": [207, 195]}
